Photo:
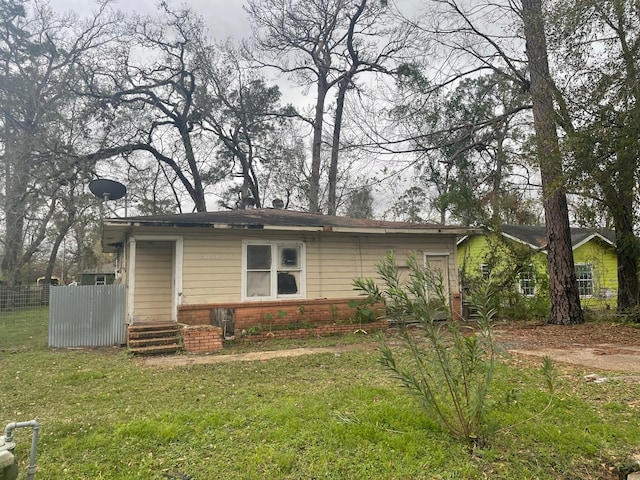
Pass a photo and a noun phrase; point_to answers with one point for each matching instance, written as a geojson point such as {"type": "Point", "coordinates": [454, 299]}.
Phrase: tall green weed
{"type": "Point", "coordinates": [449, 366]}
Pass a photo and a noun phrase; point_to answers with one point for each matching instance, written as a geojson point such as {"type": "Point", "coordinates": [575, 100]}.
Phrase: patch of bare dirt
{"type": "Point", "coordinates": [597, 345]}
{"type": "Point", "coordinates": [185, 360]}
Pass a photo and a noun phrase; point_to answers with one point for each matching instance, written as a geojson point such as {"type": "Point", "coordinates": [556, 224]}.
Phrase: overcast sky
{"type": "Point", "coordinates": [225, 18]}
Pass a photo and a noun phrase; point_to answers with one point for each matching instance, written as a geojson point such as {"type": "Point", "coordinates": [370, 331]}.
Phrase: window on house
{"type": "Point", "coordinates": [485, 271]}
{"type": "Point", "coordinates": [584, 275]}
{"type": "Point", "coordinates": [101, 279]}
{"type": "Point", "coordinates": [273, 270]}
{"type": "Point", "coordinates": [527, 282]}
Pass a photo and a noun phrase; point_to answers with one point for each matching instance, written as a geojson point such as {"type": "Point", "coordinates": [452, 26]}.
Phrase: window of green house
{"type": "Point", "coordinates": [485, 271]}
{"type": "Point", "coordinates": [584, 275]}
{"type": "Point", "coordinates": [527, 282]}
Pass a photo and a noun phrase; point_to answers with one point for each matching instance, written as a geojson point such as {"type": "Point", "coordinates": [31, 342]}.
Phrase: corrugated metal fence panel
{"type": "Point", "coordinates": [87, 316]}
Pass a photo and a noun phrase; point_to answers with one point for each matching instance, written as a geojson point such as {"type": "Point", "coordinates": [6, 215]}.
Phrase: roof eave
{"type": "Point", "coordinates": [591, 237]}
{"type": "Point", "coordinates": [304, 228]}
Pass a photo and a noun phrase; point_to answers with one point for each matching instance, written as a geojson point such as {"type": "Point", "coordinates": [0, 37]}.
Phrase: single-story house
{"type": "Point", "coordinates": [102, 275]}
{"type": "Point", "coordinates": [523, 247]}
{"type": "Point", "coordinates": [260, 270]}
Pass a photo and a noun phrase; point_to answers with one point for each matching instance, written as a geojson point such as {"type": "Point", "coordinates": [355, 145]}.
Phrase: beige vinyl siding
{"type": "Point", "coordinates": [212, 268]}
{"type": "Point", "coordinates": [338, 259]}
{"type": "Point", "coordinates": [212, 261]}
{"type": "Point", "coordinates": [153, 297]}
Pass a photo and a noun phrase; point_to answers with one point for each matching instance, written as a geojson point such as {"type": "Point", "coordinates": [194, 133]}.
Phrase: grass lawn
{"type": "Point", "coordinates": [325, 416]}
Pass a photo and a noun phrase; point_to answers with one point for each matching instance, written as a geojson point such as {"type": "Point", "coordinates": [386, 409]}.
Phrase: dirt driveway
{"type": "Point", "coordinates": [595, 345]}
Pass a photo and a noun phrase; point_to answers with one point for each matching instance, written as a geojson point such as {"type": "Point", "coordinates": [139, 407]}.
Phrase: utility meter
{"type": "Point", "coordinates": [8, 461]}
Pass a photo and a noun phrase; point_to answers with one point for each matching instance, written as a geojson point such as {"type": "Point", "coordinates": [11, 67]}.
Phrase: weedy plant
{"type": "Point", "coordinates": [449, 370]}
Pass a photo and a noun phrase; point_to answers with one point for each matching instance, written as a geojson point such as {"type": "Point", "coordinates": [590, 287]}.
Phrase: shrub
{"type": "Point", "coordinates": [450, 372]}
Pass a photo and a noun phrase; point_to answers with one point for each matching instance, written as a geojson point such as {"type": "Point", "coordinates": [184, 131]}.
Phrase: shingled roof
{"type": "Point", "coordinates": [272, 219]}
{"type": "Point", "coordinates": [535, 236]}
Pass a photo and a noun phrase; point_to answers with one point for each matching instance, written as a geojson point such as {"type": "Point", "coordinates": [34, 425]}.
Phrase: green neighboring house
{"type": "Point", "coordinates": [102, 275]}
{"type": "Point", "coordinates": [515, 258]}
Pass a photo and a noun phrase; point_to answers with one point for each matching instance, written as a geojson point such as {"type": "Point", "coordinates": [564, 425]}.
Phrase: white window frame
{"type": "Point", "coordinates": [101, 279]}
{"type": "Point", "coordinates": [275, 244]}
{"type": "Point", "coordinates": [485, 271]}
{"type": "Point", "coordinates": [585, 280]}
{"type": "Point", "coordinates": [531, 276]}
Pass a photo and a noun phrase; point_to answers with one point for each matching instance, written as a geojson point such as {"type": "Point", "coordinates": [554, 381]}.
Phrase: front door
{"type": "Point", "coordinates": [154, 280]}
{"type": "Point", "coordinates": [440, 264]}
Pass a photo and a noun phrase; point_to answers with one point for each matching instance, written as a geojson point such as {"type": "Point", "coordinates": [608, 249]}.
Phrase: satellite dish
{"type": "Point", "coordinates": [107, 189]}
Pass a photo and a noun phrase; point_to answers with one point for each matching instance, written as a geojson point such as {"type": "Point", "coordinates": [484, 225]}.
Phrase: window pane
{"type": "Point", "coordinates": [288, 283]}
{"type": "Point", "coordinates": [584, 275]}
{"type": "Point", "coordinates": [289, 257]}
{"type": "Point", "coordinates": [485, 271]}
{"type": "Point", "coordinates": [258, 284]}
{"type": "Point", "coordinates": [527, 284]}
{"type": "Point", "coordinates": [259, 257]}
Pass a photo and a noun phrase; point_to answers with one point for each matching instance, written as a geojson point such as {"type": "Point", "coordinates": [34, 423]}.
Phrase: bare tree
{"type": "Point", "coordinates": [246, 118]}
{"type": "Point", "coordinates": [42, 120]}
{"type": "Point", "coordinates": [476, 36]}
{"type": "Point", "coordinates": [326, 44]}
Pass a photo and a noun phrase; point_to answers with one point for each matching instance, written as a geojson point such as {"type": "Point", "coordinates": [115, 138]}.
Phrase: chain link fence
{"type": "Point", "coordinates": [24, 313]}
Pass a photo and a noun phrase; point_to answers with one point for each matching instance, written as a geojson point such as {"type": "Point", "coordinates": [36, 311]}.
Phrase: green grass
{"type": "Point", "coordinates": [105, 416]}
{"type": "Point", "coordinates": [24, 329]}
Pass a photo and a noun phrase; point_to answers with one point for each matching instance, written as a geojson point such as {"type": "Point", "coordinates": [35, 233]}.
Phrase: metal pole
{"type": "Point", "coordinates": [8, 438]}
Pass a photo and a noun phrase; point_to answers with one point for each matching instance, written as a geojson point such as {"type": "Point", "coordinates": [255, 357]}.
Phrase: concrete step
{"type": "Point", "coordinates": [153, 333]}
{"type": "Point", "coordinates": [159, 338]}
{"type": "Point", "coordinates": [144, 327]}
{"type": "Point", "coordinates": [150, 341]}
{"type": "Point", "coordinates": [157, 349]}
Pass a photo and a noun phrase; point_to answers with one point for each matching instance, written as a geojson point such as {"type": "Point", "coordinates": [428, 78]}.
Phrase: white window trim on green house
{"type": "Point", "coordinates": [264, 285]}
{"type": "Point", "coordinates": [584, 276]}
{"type": "Point", "coordinates": [527, 282]}
{"type": "Point", "coordinates": [485, 271]}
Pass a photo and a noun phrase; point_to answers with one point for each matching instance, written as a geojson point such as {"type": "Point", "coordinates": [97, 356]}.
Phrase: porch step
{"type": "Point", "coordinates": [154, 338]}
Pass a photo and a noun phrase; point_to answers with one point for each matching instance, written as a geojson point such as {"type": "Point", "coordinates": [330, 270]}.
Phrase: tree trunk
{"type": "Point", "coordinates": [53, 255]}
{"type": "Point", "coordinates": [335, 146]}
{"type": "Point", "coordinates": [16, 181]}
{"type": "Point", "coordinates": [496, 187]}
{"type": "Point", "coordinates": [197, 196]}
{"type": "Point", "coordinates": [627, 157]}
{"type": "Point", "coordinates": [627, 249]}
{"type": "Point", "coordinates": [314, 180]}
{"type": "Point", "coordinates": [563, 286]}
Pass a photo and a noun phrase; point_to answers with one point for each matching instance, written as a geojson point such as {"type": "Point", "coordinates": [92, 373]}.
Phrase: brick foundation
{"type": "Point", "coordinates": [202, 338]}
{"type": "Point", "coordinates": [321, 331]}
{"type": "Point", "coordinates": [279, 318]}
